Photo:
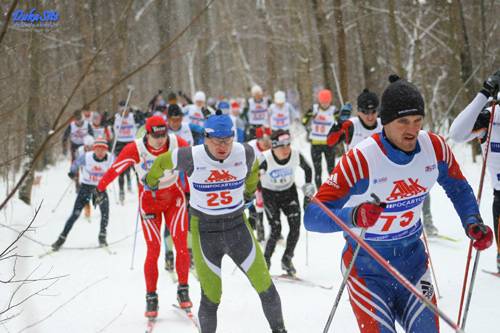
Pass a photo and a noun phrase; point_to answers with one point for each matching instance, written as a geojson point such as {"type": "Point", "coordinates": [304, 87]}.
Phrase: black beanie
{"type": "Point", "coordinates": [174, 110]}
{"type": "Point", "coordinates": [400, 99]}
{"type": "Point", "coordinates": [367, 100]}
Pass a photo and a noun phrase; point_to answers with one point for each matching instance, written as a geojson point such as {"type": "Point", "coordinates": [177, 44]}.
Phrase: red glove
{"type": "Point", "coordinates": [481, 235]}
{"type": "Point", "coordinates": [366, 214]}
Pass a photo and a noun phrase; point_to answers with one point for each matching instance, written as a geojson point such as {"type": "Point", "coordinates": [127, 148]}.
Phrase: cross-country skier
{"type": "Point", "coordinates": [99, 128]}
{"type": "Point", "coordinates": [125, 129]}
{"type": "Point", "coordinates": [473, 123]}
{"type": "Point", "coordinates": [191, 133]}
{"type": "Point", "coordinates": [93, 165]}
{"type": "Point", "coordinates": [320, 119]}
{"type": "Point", "coordinates": [198, 112]}
{"type": "Point", "coordinates": [257, 111]}
{"type": "Point", "coordinates": [277, 178]}
{"type": "Point", "coordinates": [167, 203]}
{"type": "Point", "coordinates": [75, 132]}
{"type": "Point", "coordinates": [356, 129]}
{"type": "Point", "coordinates": [399, 166]}
{"type": "Point", "coordinates": [260, 144]}
{"type": "Point", "coordinates": [222, 175]}
{"type": "Point", "coordinates": [281, 113]}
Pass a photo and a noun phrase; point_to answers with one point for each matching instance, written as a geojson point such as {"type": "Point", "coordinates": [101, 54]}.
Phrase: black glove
{"type": "Point", "coordinates": [71, 175]}
{"type": "Point", "coordinates": [98, 197]}
{"type": "Point", "coordinates": [206, 112]}
{"type": "Point", "coordinates": [491, 85]}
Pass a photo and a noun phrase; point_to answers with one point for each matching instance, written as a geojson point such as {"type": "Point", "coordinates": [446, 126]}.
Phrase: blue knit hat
{"type": "Point", "coordinates": [219, 126]}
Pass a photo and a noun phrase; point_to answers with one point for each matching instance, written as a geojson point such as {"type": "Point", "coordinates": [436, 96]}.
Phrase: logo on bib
{"type": "Point", "coordinates": [332, 180]}
{"type": "Point", "coordinates": [220, 176]}
{"type": "Point", "coordinates": [404, 189]}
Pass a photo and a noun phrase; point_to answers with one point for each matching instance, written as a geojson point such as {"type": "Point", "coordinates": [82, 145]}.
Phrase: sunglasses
{"type": "Point", "coordinates": [368, 111]}
{"type": "Point", "coordinates": [222, 141]}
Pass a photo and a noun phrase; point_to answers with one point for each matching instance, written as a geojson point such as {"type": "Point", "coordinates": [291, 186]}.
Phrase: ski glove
{"type": "Point", "coordinates": [345, 112]}
{"type": "Point", "coordinates": [481, 234]}
{"type": "Point", "coordinates": [98, 198]}
{"type": "Point", "coordinates": [366, 214]}
{"type": "Point", "coordinates": [148, 187]}
{"type": "Point", "coordinates": [492, 85]}
{"type": "Point", "coordinates": [308, 189]}
{"type": "Point", "coordinates": [71, 175]}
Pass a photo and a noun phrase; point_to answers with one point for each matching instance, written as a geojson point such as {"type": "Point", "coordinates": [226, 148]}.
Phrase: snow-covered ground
{"type": "Point", "coordinates": [100, 293]}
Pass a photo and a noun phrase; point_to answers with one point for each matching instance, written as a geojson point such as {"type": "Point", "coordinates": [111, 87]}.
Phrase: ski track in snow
{"type": "Point", "coordinates": [116, 304]}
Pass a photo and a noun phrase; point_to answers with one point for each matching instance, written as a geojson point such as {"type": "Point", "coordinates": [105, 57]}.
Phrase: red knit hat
{"type": "Point", "coordinates": [156, 125]}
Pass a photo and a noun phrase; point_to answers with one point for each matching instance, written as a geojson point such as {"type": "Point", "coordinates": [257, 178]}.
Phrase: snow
{"type": "Point", "coordinates": [102, 294]}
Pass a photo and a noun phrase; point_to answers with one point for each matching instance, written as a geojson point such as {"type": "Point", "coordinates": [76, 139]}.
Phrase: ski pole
{"type": "Point", "coordinates": [62, 196]}
{"type": "Point", "coordinates": [438, 293]}
{"type": "Point", "coordinates": [348, 272]}
{"type": "Point", "coordinates": [130, 89]}
{"type": "Point", "coordinates": [476, 259]}
{"type": "Point", "coordinates": [394, 272]}
{"type": "Point", "coordinates": [342, 285]}
{"type": "Point", "coordinates": [135, 237]}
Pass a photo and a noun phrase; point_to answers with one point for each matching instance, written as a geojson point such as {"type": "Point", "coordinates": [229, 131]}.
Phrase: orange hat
{"type": "Point", "coordinates": [260, 132]}
{"type": "Point", "coordinates": [100, 142]}
{"type": "Point", "coordinates": [325, 96]}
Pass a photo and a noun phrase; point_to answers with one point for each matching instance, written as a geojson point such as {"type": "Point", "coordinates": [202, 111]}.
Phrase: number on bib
{"type": "Point", "coordinates": [404, 220]}
{"type": "Point", "coordinates": [219, 198]}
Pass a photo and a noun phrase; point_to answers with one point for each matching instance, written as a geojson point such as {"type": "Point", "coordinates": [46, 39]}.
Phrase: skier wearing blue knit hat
{"type": "Point", "coordinates": [222, 176]}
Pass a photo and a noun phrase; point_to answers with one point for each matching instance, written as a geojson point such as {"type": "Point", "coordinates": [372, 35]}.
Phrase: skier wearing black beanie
{"type": "Point", "coordinates": [400, 99]}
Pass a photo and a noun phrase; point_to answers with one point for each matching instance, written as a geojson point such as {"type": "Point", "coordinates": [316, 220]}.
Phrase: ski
{"type": "Point", "coordinates": [150, 325]}
{"type": "Point", "coordinates": [46, 253]}
{"type": "Point", "coordinates": [444, 237]}
{"type": "Point", "coordinates": [108, 250]}
{"type": "Point", "coordinates": [497, 274]}
{"type": "Point", "coordinates": [294, 279]}
{"type": "Point", "coordinates": [190, 315]}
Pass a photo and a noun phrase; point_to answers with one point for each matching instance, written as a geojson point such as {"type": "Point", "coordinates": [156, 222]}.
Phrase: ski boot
{"type": "Point", "coordinates": [287, 265]}
{"type": "Point", "coordinates": [183, 296]}
{"type": "Point", "coordinates": [151, 305]}
{"type": "Point", "coordinates": [430, 229]}
{"type": "Point", "coordinates": [498, 263]}
{"type": "Point", "coordinates": [58, 243]}
{"type": "Point", "coordinates": [280, 330]}
{"type": "Point", "coordinates": [169, 261]}
{"type": "Point", "coordinates": [102, 239]}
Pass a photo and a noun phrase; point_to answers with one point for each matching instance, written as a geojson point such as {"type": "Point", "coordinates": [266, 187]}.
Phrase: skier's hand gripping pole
{"type": "Point", "coordinates": [394, 272]}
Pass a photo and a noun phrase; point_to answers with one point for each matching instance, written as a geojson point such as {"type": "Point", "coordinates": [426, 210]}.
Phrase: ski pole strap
{"type": "Point", "coordinates": [394, 272]}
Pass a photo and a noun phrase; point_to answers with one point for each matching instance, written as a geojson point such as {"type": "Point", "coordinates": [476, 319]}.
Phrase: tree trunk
{"type": "Point", "coordinates": [341, 50]}
{"type": "Point", "coordinates": [33, 106]}
{"type": "Point", "coordinates": [393, 30]}
{"type": "Point", "coordinates": [324, 42]}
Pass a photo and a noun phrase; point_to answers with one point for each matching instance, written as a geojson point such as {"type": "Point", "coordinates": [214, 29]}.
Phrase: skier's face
{"type": "Point", "coordinates": [200, 104]}
{"type": "Point", "coordinates": [100, 152]}
{"type": "Point", "coordinates": [157, 142]}
{"type": "Point", "coordinates": [265, 143]}
{"type": "Point", "coordinates": [282, 152]}
{"type": "Point", "coordinates": [403, 132]}
{"type": "Point", "coordinates": [220, 148]}
{"type": "Point", "coordinates": [369, 117]}
{"type": "Point", "coordinates": [175, 123]}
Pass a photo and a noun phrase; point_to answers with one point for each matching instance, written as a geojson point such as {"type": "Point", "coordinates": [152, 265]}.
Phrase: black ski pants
{"type": "Point", "coordinates": [288, 202]}
{"type": "Point", "coordinates": [317, 151]}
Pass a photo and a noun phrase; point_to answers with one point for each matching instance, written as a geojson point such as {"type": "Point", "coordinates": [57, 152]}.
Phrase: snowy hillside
{"type": "Point", "coordinates": [100, 293]}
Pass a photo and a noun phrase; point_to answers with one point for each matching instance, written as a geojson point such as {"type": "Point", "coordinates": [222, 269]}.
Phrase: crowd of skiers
{"type": "Point", "coordinates": [200, 163]}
